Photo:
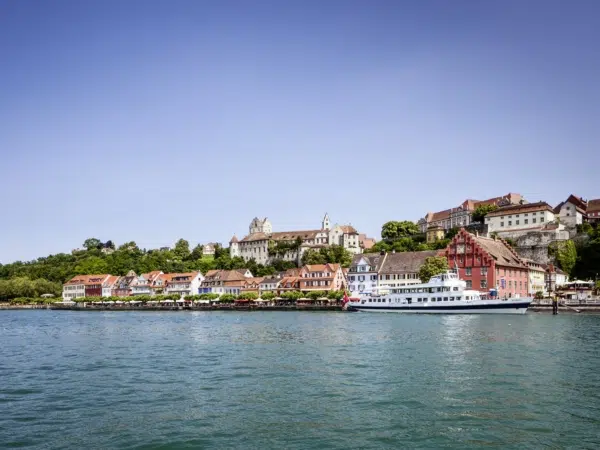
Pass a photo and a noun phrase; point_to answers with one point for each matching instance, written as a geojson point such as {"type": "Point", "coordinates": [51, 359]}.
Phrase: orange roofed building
{"type": "Point", "coordinates": [84, 286]}
{"type": "Point", "coordinates": [322, 277]}
{"type": "Point", "coordinates": [593, 210]}
{"type": "Point", "coordinates": [486, 263]}
{"type": "Point", "coordinates": [462, 215]}
{"type": "Point", "coordinates": [184, 283]}
{"type": "Point", "coordinates": [224, 281]}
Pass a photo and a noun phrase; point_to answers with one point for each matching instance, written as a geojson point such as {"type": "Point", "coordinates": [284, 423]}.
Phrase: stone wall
{"type": "Point", "coordinates": [534, 246]}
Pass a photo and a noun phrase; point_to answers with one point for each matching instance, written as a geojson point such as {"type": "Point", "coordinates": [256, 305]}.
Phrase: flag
{"type": "Point", "coordinates": [346, 298]}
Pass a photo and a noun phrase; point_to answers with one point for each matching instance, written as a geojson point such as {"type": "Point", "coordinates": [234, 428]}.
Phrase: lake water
{"type": "Point", "coordinates": [99, 380]}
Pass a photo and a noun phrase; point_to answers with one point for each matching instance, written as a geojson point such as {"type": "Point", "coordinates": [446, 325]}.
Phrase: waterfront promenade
{"type": "Point", "coordinates": [534, 308]}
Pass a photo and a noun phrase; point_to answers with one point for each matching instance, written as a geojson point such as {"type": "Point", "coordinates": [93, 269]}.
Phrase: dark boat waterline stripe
{"type": "Point", "coordinates": [444, 308]}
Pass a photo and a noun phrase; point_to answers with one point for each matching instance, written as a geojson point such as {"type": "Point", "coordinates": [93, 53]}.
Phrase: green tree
{"type": "Point", "coordinates": [91, 243]}
{"type": "Point", "coordinates": [92, 266]}
{"type": "Point", "coordinates": [393, 230]}
{"type": "Point", "coordinates": [248, 296]}
{"type": "Point", "coordinates": [566, 255]}
{"type": "Point", "coordinates": [267, 295]}
{"type": "Point", "coordinates": [314, 295]}
{"type": "Point", "coordinates": [312, 256]}
{"type": "Point", "coordinates": [227, 298]}
{"type": "Point", "coordinates": [182, 250]}
{"type": "Point", "coordinates": [281, 266]}
{"type": "Point", "coordinates": [337, 254]}
{"type": "Point", "coordinates": [433, 265]}
{"type": "Point", "coordinates": [452, 232]}
{"type": "Point", "coordinates": [481, 211]}
{"type": "Point", "coordinates": [196, 253]}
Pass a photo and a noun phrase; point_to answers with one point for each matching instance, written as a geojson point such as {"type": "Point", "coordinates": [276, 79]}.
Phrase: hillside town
{"type": "Point", "coordinates": [507, 249]}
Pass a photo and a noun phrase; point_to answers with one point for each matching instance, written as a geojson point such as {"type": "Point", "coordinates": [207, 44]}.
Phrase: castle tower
{"type": "Point", "coordinates": [234, 247]}
{"type": "Point", "coordinates": [326, 224]}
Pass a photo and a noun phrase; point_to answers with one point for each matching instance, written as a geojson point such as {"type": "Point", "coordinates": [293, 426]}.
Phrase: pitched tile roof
{"type": "Point", "coordinates": [283, 235]}
{"type": "Point", "coordinates": [365, 242]}
{"type": "Point", "coordinates": [405, 262]}
{"type": "Point", "coordinates": [593, 205]}
{"type": "Point", "coordinates": [182, 277]}
{"type": "Point", "coordinates": [348, 229]}
{"type": "Point", "coordinates": [270, 280]}
{"type": "Point", "coordinates": [293, 235]}
{"type": "Point", "coordinates": [375, 260]}
{"type": "Point", "coordinates": [440, 215]}
{"type": "Point", "coordinates": [88, 279]}
{"type": "Point", "coordinates": [110, 281]}
{"type": "Point", "coordinates": [518, 209]}
{"type": "Point", "coordinates": [224, 275]}
{"type": "Point", "coordinates": [502, 253]}
{"type": "Point", "coordinates": [321, 267]}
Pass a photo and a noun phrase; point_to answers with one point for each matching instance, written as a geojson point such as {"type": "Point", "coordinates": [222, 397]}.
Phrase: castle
{"type": "Point", "coordinates": [263, 245]}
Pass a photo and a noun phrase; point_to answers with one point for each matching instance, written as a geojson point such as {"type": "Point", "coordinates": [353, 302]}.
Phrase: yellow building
{"type": "Point", "coordinates": [435, 233]}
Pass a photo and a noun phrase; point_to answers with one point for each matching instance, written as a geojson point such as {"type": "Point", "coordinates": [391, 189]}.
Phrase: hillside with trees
{"type": "Point", "coordinates": [47, 274]}
{"type": "Point", "coordinates": [405, 236]}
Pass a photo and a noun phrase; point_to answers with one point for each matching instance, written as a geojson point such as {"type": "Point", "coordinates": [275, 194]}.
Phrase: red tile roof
{"type": "Point", "coordinates": [593, 205]}
{"type": "Point", "coordinates": [87, 279]}
{"type": "Point", "coordinates": [519, 209]}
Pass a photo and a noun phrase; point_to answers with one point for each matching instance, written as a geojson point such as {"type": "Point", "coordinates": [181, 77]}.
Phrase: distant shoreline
{"type": "Point", "coordinates": [333, 308]}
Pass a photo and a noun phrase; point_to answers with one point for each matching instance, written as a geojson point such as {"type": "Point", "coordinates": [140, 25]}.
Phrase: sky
{"type": "Point", "coordinates": [156, 120]}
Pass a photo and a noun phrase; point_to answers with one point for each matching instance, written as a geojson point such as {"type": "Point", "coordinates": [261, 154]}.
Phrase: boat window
{"type": "Point", "coordinates": [455, 289]}
{"type": "Point", "coordinates": [458, 298]}
{"type": "Point", "coordinates": [451, 299]}
{"type": "Point", "coordinates": [439, 289]}
{"type": "Point", "coordinates": [445, 299]}
{"type": "Point", "coordinates": [439, 299]}
{"type": "Point", "coordinates": [467, 298]}
{"type": "Point", "coordinates": [433, 299]}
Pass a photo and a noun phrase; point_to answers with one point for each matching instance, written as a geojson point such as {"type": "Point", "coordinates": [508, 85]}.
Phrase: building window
{"type": "Point", "coordinates": [469, 284]}
{"type": "Point", "coordinates": [509, 223]}
{"type": "Point", "coordinates": [484, 284]}
{"type": "Point", "coordinates": [484, 271]}
{"type": "Point", "coordinates": [533, 220]}
{"type": "Point", "coordinates": [541, 219]}
{"type": "Point", "coordinates": [501, 224]}
{"type": "Point", "coordinates": [517, 222]}
{"type": "Point", "coordinates": [468, 271]}
{"type": "Point", "coordinates": [526, 221]}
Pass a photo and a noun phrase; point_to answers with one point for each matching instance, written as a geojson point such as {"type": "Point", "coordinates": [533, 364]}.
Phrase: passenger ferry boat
{"type": "Point", "coordinates": [443, 294]}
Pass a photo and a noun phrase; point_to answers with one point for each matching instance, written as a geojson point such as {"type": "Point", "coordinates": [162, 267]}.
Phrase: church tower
{"type": "Point", "coordinates": [326, 224]}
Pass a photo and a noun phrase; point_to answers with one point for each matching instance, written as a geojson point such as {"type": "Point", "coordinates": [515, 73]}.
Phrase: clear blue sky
{"type": "Point", "coordinates": [154, 120]}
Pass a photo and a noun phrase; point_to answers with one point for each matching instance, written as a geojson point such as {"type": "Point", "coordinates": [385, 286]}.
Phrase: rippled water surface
{"type": "Point", "coordinates": [298, 380]}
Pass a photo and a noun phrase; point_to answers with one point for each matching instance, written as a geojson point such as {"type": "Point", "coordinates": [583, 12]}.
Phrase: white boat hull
{"type": "Point", "coordinates": [502, 307]}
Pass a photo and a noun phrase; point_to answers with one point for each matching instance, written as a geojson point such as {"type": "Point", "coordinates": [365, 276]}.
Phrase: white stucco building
{"type": "Point", "coordinates": [520, 218]}
{"type": "Point", "coordinates": [402, 269]}
{"type": "Point", "coordinates": [363, 273]}
{"type": "Point", "coordinates": [572, 212]}
{"type": "Point", "coordinates": [264, 245]}
{"type": "Point", "coordinates": [537, 278]}
{"type": "Point", "coordinates": [184, 283]}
